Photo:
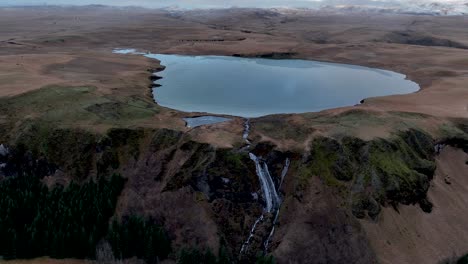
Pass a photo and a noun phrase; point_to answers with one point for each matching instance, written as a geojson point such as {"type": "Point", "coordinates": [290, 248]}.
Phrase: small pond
{"type": "Point", "coordinates": [194, 122]}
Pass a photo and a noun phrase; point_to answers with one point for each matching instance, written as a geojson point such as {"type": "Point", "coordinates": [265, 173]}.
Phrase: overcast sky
{"type": "Point", "coordinates": [236, 3]}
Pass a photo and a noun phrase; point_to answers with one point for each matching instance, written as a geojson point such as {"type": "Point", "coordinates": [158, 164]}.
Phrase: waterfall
{"type": "Point", "coordinates": [272, 199]}
{"type": "Point", "coordinates": [270, 192]}
{"type": "Point", "coordinates": [267, 242]}
{"type": "Point", "coordinates": [251, 234]}
{"type": "Point", "coordinates": [284, 172]}
{"type": "Point", "coordinates": [268, 186]}
{"type": "Point", "coordinates": [4, 151]}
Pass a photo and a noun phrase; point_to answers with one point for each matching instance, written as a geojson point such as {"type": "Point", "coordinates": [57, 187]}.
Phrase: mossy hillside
{"type": "Point", "coordinates": [279, 129]}
{"type": "Point", "coordinates": [376, 172]}
{"type": "Point", "coordinates": [80, 153]}
{"type": "Point", "coordinates": [210, 170]}
{"type": "Point", "coordinates": [225, 179]}
{"type": "Point", "coordinates": [72, 150]}
{"type": "Point", "coordinates": [200, 155]}
{"type": "Point", "coordinates": [404, 166]}
{"type": "Point", "coordinates": [118, 146]}
{"type": "Point", "coordinates": [455, 133]}
{"type": "Point", "coordinates": [164, 139]}
{"type": "Point", "coordinates": [232, 175]}
{"type": "Point", "coordinates": [76, 151]}
{"type": "Point", "coordinates": [350, 123]}
{"type": "Point", "coordinates": [75, 106]}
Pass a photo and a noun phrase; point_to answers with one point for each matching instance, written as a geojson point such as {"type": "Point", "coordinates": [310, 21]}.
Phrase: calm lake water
{"type": "Point", "coordinates": [252, 87]}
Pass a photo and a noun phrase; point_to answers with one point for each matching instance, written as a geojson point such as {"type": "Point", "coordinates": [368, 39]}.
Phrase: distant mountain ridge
{"type": "Point", "coordinates": [428, 7]}
{"type": "Point", "coordinates": [413, 7]}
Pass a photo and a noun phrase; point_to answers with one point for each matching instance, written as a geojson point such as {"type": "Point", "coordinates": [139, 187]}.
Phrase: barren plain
{"type": "Point", "coordinates": [57, 68]}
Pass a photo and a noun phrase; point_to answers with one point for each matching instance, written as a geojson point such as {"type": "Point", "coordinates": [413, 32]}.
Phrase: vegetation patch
{"type": "Point", "coordinates": [61, 223]}
{"type": "Point", "coordinates": [70, 149]}
{"type": "Point", "coordinates": [194, 168]}
{"type": "Point", "coordinates": [194, 255]}
{"type": "Point", "coordinates": [164, 138]}
{"type": "Point", "coordinates": [136, 237]}
{"type": "Point", "coordinates": [376, 172]}
{"type": "Point", "coordinates": [120, 137]}
{"type": "Point", "coordinates": [73, 106]}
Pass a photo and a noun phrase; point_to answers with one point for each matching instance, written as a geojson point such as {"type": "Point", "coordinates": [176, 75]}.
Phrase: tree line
{"type": "Point", "coordinates": [70, 222]}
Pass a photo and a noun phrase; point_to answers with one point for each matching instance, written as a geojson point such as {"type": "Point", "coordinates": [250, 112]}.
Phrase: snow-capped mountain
{"type": "Point", "coordinates": [435, 7]}
{"type": "Point", "coordinates": [450, 7]}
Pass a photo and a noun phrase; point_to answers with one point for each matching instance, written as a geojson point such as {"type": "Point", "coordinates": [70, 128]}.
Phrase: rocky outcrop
{"type": "Point", "coordinates": [374, 173]}
{"type": "Point", "coordinates": [208, 197]}
{"type": "Point", "coordinates": [414, 38]}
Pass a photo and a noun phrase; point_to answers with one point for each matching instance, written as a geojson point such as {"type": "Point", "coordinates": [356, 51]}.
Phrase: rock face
{"type": "Point", "coordinates": [413, 38]}
{"type": "Point", "coordinates": [375, 173]}
{"type": "Point", "coordinates": [208, 197]}
{"type": "Point", "coordinates": [318, 229]}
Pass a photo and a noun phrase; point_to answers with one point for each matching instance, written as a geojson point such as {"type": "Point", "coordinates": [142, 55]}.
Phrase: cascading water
{"type": "Point", "coordinates": [245, 135]}
{"type": "Point", "coordinates": [270, 195]}
{"type": "Point", "coordinates": [272, 199]}
{"type": "Point", "coordinates": [251, 234]}
{"type": "Point", "coordinates": [270, 192]}
{"type": "Point", "coordinates": [267, 242]}
{"type": "Point", "coordinates": [284, 172]}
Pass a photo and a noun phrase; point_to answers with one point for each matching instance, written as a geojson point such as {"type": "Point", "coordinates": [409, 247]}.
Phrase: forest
{"type": "Point", "coordinates": [70, 222]}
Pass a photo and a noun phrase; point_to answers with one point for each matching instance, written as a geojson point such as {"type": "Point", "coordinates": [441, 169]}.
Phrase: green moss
{"type": "Point", "coordinates": [352, 119]}
{"type": "Point", "coordinates": [279, 129]}
{"type": "Point", "coordinates": [462, 124]}
{"type": "Point", "coordinates": [452, 130]}
{"type": "Point", "coordinates": [72, 105]}
{"type": "Point", "coordinates": [128, 138]}
{"type": "Point", "coordinates": [235, 162]}
{"type": "Point", "coordinates": [235, 166]}
{"type": "Point", "coordinates": [71, 149]}
{"type": "Point", "coordinates": [409, 115]}
{"type": "Point", "coordinates": [52, 103]}
{"type": "Point", "coordinates": [200, 156]}
{"type": "Point", "coordinates": [396, 170]}
{"type": "Point", "coordinates": [331, 160]}
{"type": "Point", "coordinates": [164, 139]}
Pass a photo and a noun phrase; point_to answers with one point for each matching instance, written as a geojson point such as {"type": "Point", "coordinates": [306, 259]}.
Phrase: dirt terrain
{"type": "Point", "coordinates": [397, 235]}
{"type": "Point", "coordinates": [57, 66]}
{"type": "Point", "coordinates": [72, 46]}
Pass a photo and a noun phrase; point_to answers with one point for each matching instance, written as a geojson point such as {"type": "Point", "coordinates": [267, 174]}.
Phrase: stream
{"type": "Point", "coordinates": [270, 193]}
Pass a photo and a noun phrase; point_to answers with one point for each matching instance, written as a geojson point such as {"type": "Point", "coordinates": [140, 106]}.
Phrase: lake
{"type": "Point", "coordinates": [253, 87]}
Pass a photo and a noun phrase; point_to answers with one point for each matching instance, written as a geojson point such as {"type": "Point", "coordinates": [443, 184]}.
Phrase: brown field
{"type": "Point", "coordinates": [57, 65]}
{"type": "Point", "coordinates": [72, 47]}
